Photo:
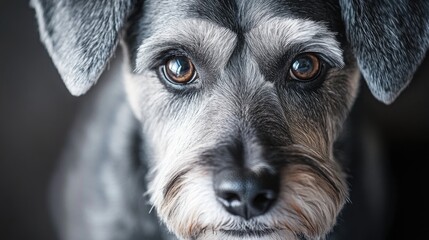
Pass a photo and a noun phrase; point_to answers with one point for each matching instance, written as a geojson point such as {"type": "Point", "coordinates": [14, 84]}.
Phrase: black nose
{"type": "Point", "coordinates": [244, 193]}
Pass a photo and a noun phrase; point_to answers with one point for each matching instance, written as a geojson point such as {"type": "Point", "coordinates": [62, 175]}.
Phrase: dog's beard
{"type": "Point", "coordinates": [313, 191]}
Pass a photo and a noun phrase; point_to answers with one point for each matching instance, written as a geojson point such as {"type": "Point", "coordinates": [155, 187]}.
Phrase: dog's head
{"type": "Point", "coordinates": [241, 101]}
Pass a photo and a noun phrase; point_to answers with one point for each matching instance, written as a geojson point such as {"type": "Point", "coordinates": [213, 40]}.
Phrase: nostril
{"type": "Point", "coordinates": [263, 200]}
{"type": "Point", "coordinates": [229, 199]}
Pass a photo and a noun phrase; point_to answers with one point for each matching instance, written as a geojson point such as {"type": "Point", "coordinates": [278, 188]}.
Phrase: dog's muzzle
{"type": "Point", "coordinates": [245, 193]}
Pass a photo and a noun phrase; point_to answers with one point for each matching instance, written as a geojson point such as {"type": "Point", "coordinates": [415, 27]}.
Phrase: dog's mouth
{"type": "Point", "coordinates": [248, 233]}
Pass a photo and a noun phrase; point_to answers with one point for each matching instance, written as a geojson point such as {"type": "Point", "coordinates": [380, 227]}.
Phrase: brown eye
{"type": "Point", "coordinates": [305, 67]}
{"type": "Point", "coordinates": [179, 70]}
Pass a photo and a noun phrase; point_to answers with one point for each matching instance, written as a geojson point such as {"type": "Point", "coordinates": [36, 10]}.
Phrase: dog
{"type": "Point", "coordinates": [226, 116]}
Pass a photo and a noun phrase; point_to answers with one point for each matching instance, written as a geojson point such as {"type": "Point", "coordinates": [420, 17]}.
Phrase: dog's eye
{"type": "Point", "coordinates": [305, 67]}
{"type": "Point", "coordinates": [179, 70]}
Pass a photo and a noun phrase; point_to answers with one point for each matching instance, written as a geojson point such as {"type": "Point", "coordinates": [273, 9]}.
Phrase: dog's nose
{"type": "Point", "coordinates": [245, 193]}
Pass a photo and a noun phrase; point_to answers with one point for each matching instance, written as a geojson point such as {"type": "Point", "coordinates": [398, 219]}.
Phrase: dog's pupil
{"type": "Point", "coordinates": [303, 65]}
{"type": "Point", "coordinates": [180, 69]}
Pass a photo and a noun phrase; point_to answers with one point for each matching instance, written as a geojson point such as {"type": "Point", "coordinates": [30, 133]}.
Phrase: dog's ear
{"type": "Point", "coordinates": [389, 40]}
{"type": "Point", "coordinates": [81, 36]}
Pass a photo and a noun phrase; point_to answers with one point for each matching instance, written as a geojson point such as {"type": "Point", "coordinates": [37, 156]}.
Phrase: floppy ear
{"type": "Point", "coordinates": [389, 40]}
{"type": "Point", "coordinates": [81, 36]}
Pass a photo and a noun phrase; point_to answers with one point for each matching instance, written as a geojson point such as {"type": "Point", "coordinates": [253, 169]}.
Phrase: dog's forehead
{"type": "Point", "coordinates": [201, 23]}
{"type": "Point", "coordinates": [242, 15]}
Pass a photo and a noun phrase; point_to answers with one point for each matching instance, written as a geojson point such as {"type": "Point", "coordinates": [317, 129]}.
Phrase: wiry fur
{"type": "Point", "coordinates": [80, 50]}
{"type": "Point", "coordinates": [401, 32]}
{"type": "Point", "coordinates": [181, 136]}
{"type": "Point", "coordinates": [241, 112]}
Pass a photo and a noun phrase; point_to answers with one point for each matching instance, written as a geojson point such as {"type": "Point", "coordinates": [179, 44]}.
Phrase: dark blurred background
{"type": "Point", "coordinates": [36, 112]}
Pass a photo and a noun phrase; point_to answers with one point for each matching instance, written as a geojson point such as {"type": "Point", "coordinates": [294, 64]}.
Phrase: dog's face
{"type": "Point", "coordinates": [243, 106]}
{"type": "Point", "coordinates": [240, 104]}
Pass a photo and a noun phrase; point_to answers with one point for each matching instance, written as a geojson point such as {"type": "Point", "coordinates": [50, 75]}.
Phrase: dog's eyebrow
{"type": "Point", "coordinates": [276, 36]}
{"type": "Point", "coordinates": [207, 41]}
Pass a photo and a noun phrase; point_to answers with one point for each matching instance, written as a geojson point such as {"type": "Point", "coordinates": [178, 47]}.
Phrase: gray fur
{"type": "Point", "coordinates": [104, 178]}
{"type": "Point", "coordinates": [275, 36]}
{"type": "Point", "coordinates": [167, 142]}
{"type": "Point", "coordinates": [219, 42]}
{"type": "Point", "coordinates": [81, 36]}
{"type": "Point", "coordinates": [389, 39]}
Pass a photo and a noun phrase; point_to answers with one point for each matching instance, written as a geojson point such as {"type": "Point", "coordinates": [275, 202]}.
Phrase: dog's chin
{"type": "Point", "coordinates": [239, 234]}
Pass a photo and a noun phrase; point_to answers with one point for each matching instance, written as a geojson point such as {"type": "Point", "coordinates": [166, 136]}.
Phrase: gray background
{"type": "Point", "coordinates": [36, 111]}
